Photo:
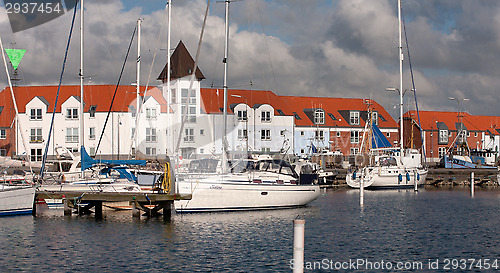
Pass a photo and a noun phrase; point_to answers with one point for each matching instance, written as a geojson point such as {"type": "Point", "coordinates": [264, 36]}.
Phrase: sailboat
{"type": "Point", "coordinates": [397, 169]}
{"type": "Point", "coordinates": [246, 184]}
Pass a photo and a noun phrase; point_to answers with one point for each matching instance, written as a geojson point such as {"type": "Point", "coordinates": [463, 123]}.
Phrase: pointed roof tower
{"type": "Point", "coordinates": [182, 65]}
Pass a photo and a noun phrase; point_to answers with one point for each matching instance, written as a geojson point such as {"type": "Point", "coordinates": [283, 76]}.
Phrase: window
{"type": "Point", "coordinates": [151, 113]}
{"type": "Point", "coordinates": [354, 117]}
{"type": "Point", "coordinates": [302, 133]}
{"type": "Point", "coordinates": [265, 150]}
{"type": "Point", "coordinates": [354, 151]}
{"type": "Point", "coordinates": [132, 134]}
{"type": "Point", "coordinates": [92, 110]}
{"type": "Point", "coordinates": [475, 134]}
{"type": "Point", "coordinates": [265, 134]}
{"type": "Point", "coordinates": [150, 134]}
{"type": "Point", "coordinates": [282, 132]}
{"type": "Point", "coordinates": [319, 116]}
{"type": "Point", "coordinates": [72, 113]}
{"type": "Point", "coordinates": [265, 116]}
{"type": "Point", "coordinates": [302, 151]}
{"type": "Point", "coordinates": [338, 134]}
{"type": "Point", "coordinates": [36, 135]}
{"type": "Point", "coordinates": [468, 133]}
{"type": "Point", "coordinates": [319, 135]}
{"type": "Point", "coordinates": [173, 98]}
{"type": "Point", "coordinates": [296, 115]}
{"type": "Point", "coordinates": [150, 151]}
{"type": "Point", "coordinates": [354, 136]}
{"type": "Point", "coordinates": [36, 154]}
{"type": "Point", "coordinates": [3, 152]}
{"type": "Point", "coordinates": [202, 150]}
{"type": "Point", "coordinates": [242, 134]}
{"type": "Point", "coordinates": [36, 114]}
{"type": "Point", "coordinates": [92, 151]}
{"type": "Point", "coordinates": [389, 134]}
{"type": "Point", "coordinates": [441, 151]}
{"type": "Point", "coordinates": [443, 137]}
{"type": "Point", "coordinates": [191, 110]}
{"type": "Point", "coordinates": [3, 134]}
{"type": "Point", "coordinates": [189, 137]}
{"type": "Point", "coordinates": [72, 135]}
{"type": "Point", "coordinates": [92, 133]}
{"type": "Point", "coordinates": [202, 132]}
{"type": "Point", "coordinates": [242, 115]}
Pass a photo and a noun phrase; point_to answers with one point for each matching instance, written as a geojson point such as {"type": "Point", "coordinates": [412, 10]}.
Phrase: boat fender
{"type": "Point", "coordinates": [354, 176]}
{"type": "Point", "coordinates": [418, 177]}
{"type": "Point", "coordinates": [400, 177]}
{"type": "Point", "coordinates": [407, 176]}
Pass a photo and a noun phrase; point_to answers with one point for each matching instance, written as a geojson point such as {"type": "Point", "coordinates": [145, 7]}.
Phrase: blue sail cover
{"type": "Point", "coordinates": [378, 138]}
{"type": "Point", "coordinates": [88, 161]}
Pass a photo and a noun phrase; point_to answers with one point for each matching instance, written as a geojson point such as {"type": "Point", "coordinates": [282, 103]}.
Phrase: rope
{"type": "Point", "coordinates": [116, 89]}
{"type": "Point", "coordinates": [58, 90]}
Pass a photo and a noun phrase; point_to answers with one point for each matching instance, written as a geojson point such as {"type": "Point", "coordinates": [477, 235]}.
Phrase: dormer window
{"type": "Point", "coordinates": [72, 113]}
{"type": "Point", "coordinates": [92, 111]}
{"type": "Point", "coordinates": [242, 115]}
{"type": "Point", "coordinates": [266, 116]}
{"type": "Point", "coordinates": [354, 117]}
{"type": "Point", "coordinates": [319, 116]}
{"type": "Point", "coordinates": [36, 114]}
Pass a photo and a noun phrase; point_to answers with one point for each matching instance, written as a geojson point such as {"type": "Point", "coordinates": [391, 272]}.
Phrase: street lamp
{"type": "Point", "coordinates": [246, 119]}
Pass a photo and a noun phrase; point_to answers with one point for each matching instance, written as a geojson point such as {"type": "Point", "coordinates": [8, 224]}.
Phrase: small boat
{"type": "Point", "coordinates": [461, 162]}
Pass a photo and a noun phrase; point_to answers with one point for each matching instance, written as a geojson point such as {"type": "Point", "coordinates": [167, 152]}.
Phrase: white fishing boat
{"type": "Point", "coordinates": [390, 167]}
{"type": "Point", "coordinates": [246, 185]}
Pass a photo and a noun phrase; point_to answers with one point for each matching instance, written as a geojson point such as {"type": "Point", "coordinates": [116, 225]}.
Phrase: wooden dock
{"type": "Point", "coordinates": [149, 202]}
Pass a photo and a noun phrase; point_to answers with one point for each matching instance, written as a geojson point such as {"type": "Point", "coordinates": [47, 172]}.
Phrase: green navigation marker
{"type": "Point", "coordinates": [15, 56]}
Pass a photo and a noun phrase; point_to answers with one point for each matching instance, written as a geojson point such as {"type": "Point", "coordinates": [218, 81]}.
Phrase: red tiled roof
{"type": "Point", "coordinates": [213, 101]}
{"type": "Point", "coordinates": [100, 95]}
{"type": "Point", "coordinates": [472, 122]}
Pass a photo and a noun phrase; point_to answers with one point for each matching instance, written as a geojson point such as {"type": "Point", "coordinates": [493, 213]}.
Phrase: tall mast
{"type": "Point", "coordinates": [169, 3]}
{"type": "Point", "coordinates": [226, 51]}
{"type": "Point", "coordinates": [400, 83]}
{"type": "Point", "coordinates": [138, 84]}
{"type": "Point", "coordinates": [17, 125]}
{"type": "Point", "coordinates": [82, 129]}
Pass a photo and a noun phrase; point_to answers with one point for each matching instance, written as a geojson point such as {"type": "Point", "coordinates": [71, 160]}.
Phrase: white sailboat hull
{"type": "Point", "coordinates": [16, 200]}
{"type": "Point", "coordinates": [211, 196]}
{"type": "Point", "coordinates": [388, 177]}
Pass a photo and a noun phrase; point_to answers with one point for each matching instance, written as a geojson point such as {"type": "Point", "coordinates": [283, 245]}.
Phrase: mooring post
{"type": "Point", "coordinates": [98, 209]}
{"type": "Point", "coordinates": [361, 189]}
{"type": "Point", "coordinates": [135, 211]}
{"type": "Point", "coordinates": [298, 245]}
{"type": "Point", "coordinates": [416, 180]}
{"type": "Point", "coordinates": [67, 208]}
{"type": "Point", "coordinates": [472, 184]}
{"type": "Point", "coordinates": [167, 209]}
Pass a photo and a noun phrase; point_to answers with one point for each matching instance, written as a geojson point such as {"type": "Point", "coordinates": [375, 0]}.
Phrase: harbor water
{"type": "Point", "coordinates": [395, 231]}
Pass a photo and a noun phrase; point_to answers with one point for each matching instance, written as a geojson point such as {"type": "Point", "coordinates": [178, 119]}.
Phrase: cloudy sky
{"type": "Point", "coordinates": [343, 48]}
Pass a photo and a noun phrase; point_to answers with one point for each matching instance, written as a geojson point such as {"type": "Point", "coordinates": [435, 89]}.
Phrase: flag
{"type": "Point", "coordinates": [15, 56]}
